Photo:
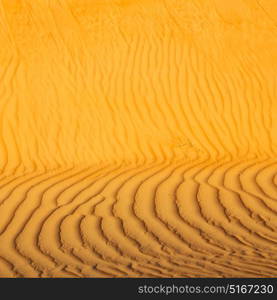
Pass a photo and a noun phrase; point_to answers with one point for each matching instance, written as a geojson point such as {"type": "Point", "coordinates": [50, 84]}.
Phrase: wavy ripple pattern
{"type": "Point", "coordinates": [168, 219]}
{"type": "Point", "coordinates": [138, 138]}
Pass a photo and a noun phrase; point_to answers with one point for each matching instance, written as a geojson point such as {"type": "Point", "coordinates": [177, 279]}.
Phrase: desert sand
{"type": "Point", "coordinates": [138, 138]}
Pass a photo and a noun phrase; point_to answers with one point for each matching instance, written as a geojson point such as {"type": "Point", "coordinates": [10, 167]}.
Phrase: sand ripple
{"type": "Point", "coordinates": [138, 138]}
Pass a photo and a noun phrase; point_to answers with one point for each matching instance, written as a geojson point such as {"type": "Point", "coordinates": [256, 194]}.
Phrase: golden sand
{"type": "Point", "coordinates": [138, 138]}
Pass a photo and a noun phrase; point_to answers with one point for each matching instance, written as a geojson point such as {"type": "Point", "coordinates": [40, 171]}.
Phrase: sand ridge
{"type": "Point", "coordinates": [138, 138]}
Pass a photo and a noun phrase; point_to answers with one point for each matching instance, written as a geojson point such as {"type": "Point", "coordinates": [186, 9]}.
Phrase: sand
{"type": "Point", "coordinates": [138, 138]}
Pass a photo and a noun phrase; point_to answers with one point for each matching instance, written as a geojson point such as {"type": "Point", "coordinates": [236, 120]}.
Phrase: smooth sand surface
{"type": "Point", "coordinates": [138, 138]}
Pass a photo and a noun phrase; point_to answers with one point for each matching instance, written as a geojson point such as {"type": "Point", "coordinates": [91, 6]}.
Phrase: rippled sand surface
{"type": "Point", "coordinates": [138, 138]}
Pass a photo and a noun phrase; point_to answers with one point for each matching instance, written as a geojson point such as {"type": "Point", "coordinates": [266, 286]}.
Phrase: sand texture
{"type": "Point", "coordinates": [138, 138]}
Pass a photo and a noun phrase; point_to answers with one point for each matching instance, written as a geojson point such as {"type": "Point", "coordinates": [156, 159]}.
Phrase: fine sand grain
{"type": "Point", "coordinates": [138, 138]}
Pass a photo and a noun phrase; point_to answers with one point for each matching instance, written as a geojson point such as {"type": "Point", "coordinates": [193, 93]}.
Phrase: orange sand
{"type": "Point", "coordinates": [138, 138]}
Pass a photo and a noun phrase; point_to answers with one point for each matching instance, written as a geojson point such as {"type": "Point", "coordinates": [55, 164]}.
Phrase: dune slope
{"type": "Point", "coordinates": [138, 138]}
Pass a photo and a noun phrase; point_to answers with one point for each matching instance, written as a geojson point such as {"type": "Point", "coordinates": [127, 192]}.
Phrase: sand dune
{"type": "Point", "coordinates": [138, 138]}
